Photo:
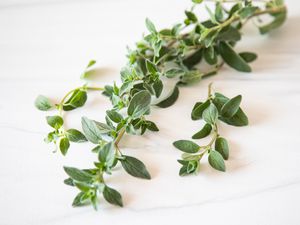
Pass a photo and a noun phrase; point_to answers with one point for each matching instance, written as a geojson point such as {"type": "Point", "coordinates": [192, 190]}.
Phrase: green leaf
{"type": "Point", "coordinates": [158, 87]}
{"type": "Point", "coordinates": [78, 175]}
{"type": "Point", "coordinates": [216, 161]}
{"type": "Point", "coordinates": [221, 146]}
{"type": "Point", "coordinates": [176, 29]}
{"type": "Point", "coordinates": [91, 63]}
{"type": "Point", "coordinates": [248, 56]}
{"type": "Point", "coordinates": [151, 67]}
{"type": "Point", "coordinates": [83, 186]}
{"type": "Point", "coordinates": [191, 76]}
{"type": "Point", "coordinates": [114, 116]}
{"type": "Point", "coordinates": [78, 199]}
{"type": "Point", "coordinates": [191, 16]}
{"type": "Point", "coordinates": [104, 128]}
{"type": "Point", "coordinates": [151, 126]}
{"type": "Point", "coordinates": [170, 100]}
{"type": "Point", "coordinates": [198, 109]}
{"type": "Point", "coordinates": [50, 137]}
{"type": "Point", "coordinates": [247, 11]}
{"type": "Point", "coordinates": [43, 103]}
{"type": "Point", "coordinates": [204, 132]}
{"type": "Point", "coordinates": [150, 26]}
{"type": "Point", "coordinates": [107, 154]}
{"type": "Point", "coordinates": [183, 171]}
{"type": "Point", "coordinates": [126, 87]}
{"type": "Point", "coordinates": [166, 32]}
{"type": "Point", "coordinates": [279, 19]}
{"type": "Point", "coordinates": [91, 130]}
{"type": "Point", "coordinates": [112, 196]}
{"type": "Point", "coordinates": [174, 72]}
{"type": "Point", "coordinates": [55, 121]}
{"type": "Point", "coordinates": [233, 59]}
{"type": "Point", "coordinates": [211, 15]}
{"type": "Point", "coordinates": [135, 167]}
{"type": "Point", "coordinates": [188, 167]}
{"type": "Point", "coordinates": [86, 73]}
{"type": "Point", "coordinates": [219, 11]}
{"type": "Point", "coordinates": [235, 8]}
{"type": "Point", "coordinates": [93, 199]}
{"type": "Point", "coordinates": [75, 136]}
{"type": "Point", "coordinates": [193, 59]}
{"type": "Point", "coordinates": [219, 100]}
{"type": "Point", "coordinates": [197, 1]}
{"type": "Point", "coordinates": [239, 119]}
{"type": "Point", "coordinates": [77, 99]}
{"type": "Point", "coordinates": [186, 146]}
{"type": "Point", "coordinates": [210, 114]}
{"type": "Point", "coordinates": [64, 145]}
{"type": "Point", "coordinates": [157, 45]}
{"type": "Point", "coordinates": [69, 181]}
{"type": "Point", "coordinates": [139, 104]}
{"type": "Point", "coordinates": [231, 107]}
{"type": "Point", "coordinates": [229, 34]}
{"type": "Point", "coordinates": [210, 55]}
{"type": "Point", "coordinates": [130, 129]}
{"type": "Point", "coordinates": [192, 166]}
{"type": "Point", "coordinates": [149, 88]}
{"type": "Point", "coordinates": [108, 91]}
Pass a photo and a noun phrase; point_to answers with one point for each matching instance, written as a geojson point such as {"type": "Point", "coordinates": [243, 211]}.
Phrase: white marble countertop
{"type": "Point", "coordinates": [44, 45]}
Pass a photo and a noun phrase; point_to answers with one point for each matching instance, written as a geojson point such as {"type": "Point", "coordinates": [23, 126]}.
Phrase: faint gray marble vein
{"type": "Point", "coordinates": [220, 200]}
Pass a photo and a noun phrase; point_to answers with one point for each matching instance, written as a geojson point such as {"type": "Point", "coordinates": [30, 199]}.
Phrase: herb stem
{"type": "Point", "coordinates": [214, 138]}
{"type": "Point", "coordinates": [119, 137]}
{"type": "Point", "coordinates": [209, 90]}
{"type": "Point", "coordinates": [100, 176]}
{"type": "Point", "coordinates": [95, 88]}
{"type": "Point", "coordinates": [215, 135]}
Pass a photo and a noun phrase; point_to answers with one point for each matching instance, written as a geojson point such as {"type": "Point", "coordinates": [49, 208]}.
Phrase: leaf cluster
{"type": "Point", "coordinates": [216, 108]}
{"type": "Point", "coordinates": [175, 53]}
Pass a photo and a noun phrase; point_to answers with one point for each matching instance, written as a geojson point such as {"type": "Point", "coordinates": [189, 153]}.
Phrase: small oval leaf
{"type": "Point", "coordinates": [248, 56]}
{"type": "Point", "coordinates": [232, 58]}
{"type": "Point", "coordinates": [170, 100]}
{"type": "Point", "coordinates": [75, 136]}
{"type": "Point", "coordinates": [78, 175]}
{"type": "Point", "coordinates": [112, 196]}
{"type": "Point", "coordinates": [186, 146]}
{"type": "Point", "coordinates": [204, 132]}
{"type": "Point", "coordinates": [216, 161]}
{"type": "Point", "coordinates": [210, 114]}
{"type": "Point", "coordinates": [43, 103]}
{"type": "Point", "coordinates": [231, 107]}
{"type": "Point", "coordinates": [198, 110]}
{"type": "Point", "coordinates": [135, 167]}
{"type": "Point", "coordinates": [221, 146]}
{"type": "Point", "coordinates": [64, 145]}
{"type": "Point", "coordinates": [139, 104]}
{"type": "Point", "coordinates": [55, 121]}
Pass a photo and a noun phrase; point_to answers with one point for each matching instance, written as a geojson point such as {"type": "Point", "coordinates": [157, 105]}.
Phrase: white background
{"type": "Point", "coordinates": [44, 46]}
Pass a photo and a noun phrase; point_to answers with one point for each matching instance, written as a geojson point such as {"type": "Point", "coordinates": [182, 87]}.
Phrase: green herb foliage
{"type": "Point", "coordinates": [175, 53]}
{"type": "Point", "coordinates": [216, 108]}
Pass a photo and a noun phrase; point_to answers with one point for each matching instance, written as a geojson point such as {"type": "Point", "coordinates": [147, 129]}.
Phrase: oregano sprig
{"type": "Point", "coordinates": [216, 108]}
{"type": "Point", "coordinates": [175, 53]}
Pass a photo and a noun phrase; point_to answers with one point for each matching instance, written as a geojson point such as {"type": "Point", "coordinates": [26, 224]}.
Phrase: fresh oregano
{"type": "Point", "coordinates": [216, 108]}
{"type": "Point", "coordinates": [173, 53]}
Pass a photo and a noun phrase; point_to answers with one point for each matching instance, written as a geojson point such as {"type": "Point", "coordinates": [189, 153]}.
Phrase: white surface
{"type": "Point", "coordinates": [43, 49]}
